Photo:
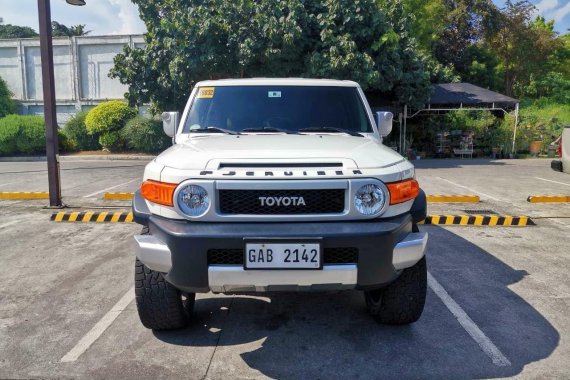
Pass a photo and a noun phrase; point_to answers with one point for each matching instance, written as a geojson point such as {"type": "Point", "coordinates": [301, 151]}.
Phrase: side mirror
{"type": "Point", "coordinates": [384, 122]}
{"type": "Point", "coordinates": [170, 122]}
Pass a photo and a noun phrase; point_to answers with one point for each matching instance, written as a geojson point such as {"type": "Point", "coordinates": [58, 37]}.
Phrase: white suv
{"type": "Point", "coordinates": [279, 185]}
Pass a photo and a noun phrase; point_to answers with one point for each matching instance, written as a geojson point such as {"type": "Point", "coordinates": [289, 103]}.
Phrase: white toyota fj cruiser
{"type": "Point", "coordinates": [279, 185]}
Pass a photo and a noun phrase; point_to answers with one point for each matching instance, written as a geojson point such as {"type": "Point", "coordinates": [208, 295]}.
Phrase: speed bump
{"type": "Point", "coordinates": [479, 220]}
{"type": "Point", "coordinates": [93, 217]}
{"type": "Point", "coordinates": [458, 198]}
{"type": "Point", "coordinates": [118, 196]}
{"type": "Point", "coordinates": [548, 198]}
{"type": "Point", "coordinates": [23, 195]}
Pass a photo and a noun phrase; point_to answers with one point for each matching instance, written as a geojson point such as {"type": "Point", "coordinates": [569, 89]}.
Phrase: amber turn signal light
{"type": "Point", "coordinates": [403, 191]}
{"type": "Point", "coordinates": [158, 192]}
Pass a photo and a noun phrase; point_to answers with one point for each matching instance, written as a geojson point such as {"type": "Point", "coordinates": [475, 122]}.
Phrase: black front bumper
{"type": "Point", "coordinates": [556, 165]}
{"type": "Point", "coordinates": [189, 243]}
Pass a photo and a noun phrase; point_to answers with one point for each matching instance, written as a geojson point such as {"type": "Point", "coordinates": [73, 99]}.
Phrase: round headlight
{"type": "Point", "coordinates": [193, 200]}
{"type": "Point", "coordinates": [369, 199]}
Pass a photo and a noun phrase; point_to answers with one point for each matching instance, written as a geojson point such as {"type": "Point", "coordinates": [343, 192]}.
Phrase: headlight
{"type": "Point", "coordinates": [193, 200]}
{"type": "Point", "coordinates": [369, 199]}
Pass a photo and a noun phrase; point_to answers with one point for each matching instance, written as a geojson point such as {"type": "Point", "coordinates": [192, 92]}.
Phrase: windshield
{"type": "Point", "coordinates": [280, 109]}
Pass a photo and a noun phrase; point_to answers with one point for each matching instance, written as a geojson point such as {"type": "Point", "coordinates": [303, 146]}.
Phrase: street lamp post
{"type": "Point", "coordinates": [50, 114]}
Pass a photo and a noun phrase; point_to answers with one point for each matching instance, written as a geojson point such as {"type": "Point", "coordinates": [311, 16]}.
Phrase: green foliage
{"type": "Point", "coordinates": [76, 131]}
{"type": "Point", "coordinates": [15, 31]}
{"type": "Point", "coordinates": [112, 141]}
{"type": "Point", "coordinates": [208, 39]}
{"type": "Point", "coordinates": [145, 135]}
{"type": "Point", "coordinates": [108, 117]}
{"type": "Point", "coordinates": [7, 105]}
{"type": "Point", "coordinates": [60, 30]}
{"type": "Point", "coordinates": [22, 135]}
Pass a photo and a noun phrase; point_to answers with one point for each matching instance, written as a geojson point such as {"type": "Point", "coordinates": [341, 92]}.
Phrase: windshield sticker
{"type": "Point", "coordinates": [274, 94]}
{"type": "Point", "coordinates": [206, 93]}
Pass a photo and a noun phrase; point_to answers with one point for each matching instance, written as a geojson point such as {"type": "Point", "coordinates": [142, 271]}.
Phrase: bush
{"type": "Point", "coordinates": [145, 135]}
{"type": "Point", "coordinates": [112, 141]}
{"type": "Point", "coordinates": [76, 131]}
{"type": "Point", "coordinates": [7, 105]}
{"type": "Point", "coordinates": [22, 134]}
{"type": "Point", "coordinates": [108, 117]}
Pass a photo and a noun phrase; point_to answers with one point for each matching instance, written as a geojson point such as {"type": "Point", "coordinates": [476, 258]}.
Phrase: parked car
{"type": "Point", "coordinates": [279, 185]}
{"type": "Point", "coordinates": [563, 165]}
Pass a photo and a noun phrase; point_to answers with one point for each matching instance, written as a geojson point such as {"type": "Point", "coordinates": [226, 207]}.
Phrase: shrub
{"type": "Point", "coordinates": [66, 144]}
{"type": "Point", "coordinates": [22, 134]}
{"type": "Point", "coordinates": [108, 117]}
{"type": "Point", "coordinates": [76, 131]}
{"type": "Point", "coordinates": [145, 135]}
{"type": "Point", "coordinates": [7, 105]}
{"type": "Point", "coordinates": [9, 130]}
{"type": "Point", "coordinates": [112, 141]}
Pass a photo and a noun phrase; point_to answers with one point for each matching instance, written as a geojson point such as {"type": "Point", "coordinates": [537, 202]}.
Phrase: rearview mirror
{"type": "Point", "coordinates": [170, 122]}
{"type": "Point", "coordinates": [384, 122]}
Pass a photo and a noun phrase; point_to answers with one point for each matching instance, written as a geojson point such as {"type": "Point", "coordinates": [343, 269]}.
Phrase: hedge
{"type": "Point", "coordinates": [145, 135]}
{"type": "Point", "coordinates": [76, 131]}
{"type": "Point", "coordinates": [25, 135]}
{"type": "Point", "coordinates": [106, 120]}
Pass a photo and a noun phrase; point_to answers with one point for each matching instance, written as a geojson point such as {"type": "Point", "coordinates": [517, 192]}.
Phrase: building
{"type": "Point", "coordinates": [81, 66]}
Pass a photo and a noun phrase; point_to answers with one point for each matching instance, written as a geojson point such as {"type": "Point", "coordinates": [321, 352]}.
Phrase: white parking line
{"type": "Point", "coordinates": [470, 189]}
{"type": "Point", "coordinates": [549, 180]}
{"type": "Point", "coordinates": [99, 328]}
{"type": "Point", "coordinates": [9, 224]}
{"type": "Point", "coordinates": [111, 188]}
{"type": "Point", "coordinates": [6, 184]}
{"type": "Point", "coordinates": [468, 325]}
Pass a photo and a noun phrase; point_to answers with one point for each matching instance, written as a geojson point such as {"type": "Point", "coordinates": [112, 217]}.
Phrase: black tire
{"type": "Point", "coordinates": [160, 305]}
{"type": "Point", "coordinates": [402, 302]}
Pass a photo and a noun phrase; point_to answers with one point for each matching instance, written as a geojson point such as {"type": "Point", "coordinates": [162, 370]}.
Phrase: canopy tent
{"type": "Point", "coordinates": [463, 96]}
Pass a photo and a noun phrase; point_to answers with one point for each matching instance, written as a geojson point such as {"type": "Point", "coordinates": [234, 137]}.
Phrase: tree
{"type": "Point", "coordinates": [522, 46]}
{"type": "Point", "coordinates": [60, 30]}
{"type": "Point", "coordinates": [191, 40]}
{"type": "Point", "coordinates": [14, 31]}
{"type": "Point", "coordinates": [7, 105]}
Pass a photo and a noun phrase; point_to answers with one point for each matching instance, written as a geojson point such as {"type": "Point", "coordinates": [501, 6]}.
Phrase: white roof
{"type": "Point", "coordinates": [277, 82]}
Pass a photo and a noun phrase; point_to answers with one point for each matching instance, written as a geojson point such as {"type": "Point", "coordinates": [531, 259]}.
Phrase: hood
{"type": "Point", "coordinates": [197, 152]}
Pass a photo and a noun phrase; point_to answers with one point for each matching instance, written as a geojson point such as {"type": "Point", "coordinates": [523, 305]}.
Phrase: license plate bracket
{"type": "Point", "coordinates": [283, 254]}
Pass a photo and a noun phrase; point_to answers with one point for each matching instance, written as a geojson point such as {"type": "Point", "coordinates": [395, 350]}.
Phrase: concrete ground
{"type": "Point", "coordinates": [497, 304]}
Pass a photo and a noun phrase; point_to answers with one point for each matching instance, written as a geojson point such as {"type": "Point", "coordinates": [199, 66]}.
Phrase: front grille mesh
{"type": "Point", "coordinates": [324, 201]}
{"type": "Point", "coordinates": [341, 255]}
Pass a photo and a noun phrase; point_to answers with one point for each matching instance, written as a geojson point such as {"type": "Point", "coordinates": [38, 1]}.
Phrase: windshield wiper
{"type": "Point", "coordinates": [266, 129]}
{"type": "Point", "coordinates": [213, 130]}
{"type": "Point", "coordinates": [331, 130]}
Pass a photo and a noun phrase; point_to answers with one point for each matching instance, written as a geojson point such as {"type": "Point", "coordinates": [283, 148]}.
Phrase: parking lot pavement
{"type": "Point", "coordinates": [496, 294]}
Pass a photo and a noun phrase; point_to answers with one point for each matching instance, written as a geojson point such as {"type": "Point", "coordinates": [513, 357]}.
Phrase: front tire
{"type": "Point", "coordinates": [402, 302]}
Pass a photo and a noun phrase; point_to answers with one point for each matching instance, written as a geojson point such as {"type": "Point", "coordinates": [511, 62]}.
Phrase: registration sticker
{"type": "Point", "coordinates": [274, 94]}
{"type": "Point", "coordinates": [206, 92]}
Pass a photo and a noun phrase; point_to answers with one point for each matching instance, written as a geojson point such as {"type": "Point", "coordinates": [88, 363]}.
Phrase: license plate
{"type": "Point", "coordinates": [282, 256]}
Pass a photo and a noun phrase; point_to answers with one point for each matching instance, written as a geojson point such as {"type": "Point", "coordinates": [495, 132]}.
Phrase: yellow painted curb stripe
{"type": "Point", "coordinates": [548, 198]}
{"type": "Point", "coordinates": [24, 195]}
{"type": "Point", "coordinates": [118, 196]}
{"type": "Point", "coordinates": [479, 220]}
{"type": "Point", "coordinates": [457, 198]}
{"type": "Point", "coordinates": [93, 217]}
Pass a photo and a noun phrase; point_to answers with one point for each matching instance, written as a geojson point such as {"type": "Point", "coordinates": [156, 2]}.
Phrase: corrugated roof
{"type": "Point", "coordinates": [467, 94]}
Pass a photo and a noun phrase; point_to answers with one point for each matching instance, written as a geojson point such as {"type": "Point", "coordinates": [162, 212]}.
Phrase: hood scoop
{"type": "Point", "coordinates": [272, 165]}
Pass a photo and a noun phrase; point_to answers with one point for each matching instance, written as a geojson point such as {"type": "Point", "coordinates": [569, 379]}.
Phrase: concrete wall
{"type": "Point", "coordinates": [81, 68]}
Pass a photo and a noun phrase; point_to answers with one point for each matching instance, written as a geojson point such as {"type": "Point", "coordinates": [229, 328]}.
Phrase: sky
{"type": "Point", "coordinates": [104, 17]}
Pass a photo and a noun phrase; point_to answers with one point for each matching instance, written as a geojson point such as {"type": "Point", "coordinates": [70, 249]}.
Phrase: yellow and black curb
{"type": "Point", "coordinates": [455, 198]}
{"type": "Point", "coordinates": [118, 196]}
{"type": "Point", "coordinates": [19, 195]}
{"type": "Point", "coordinates": [548, 198]}
{"type": "Point", "coordinates": [479, 220]}
{"type": "Point", "coordinates": [93, 217]}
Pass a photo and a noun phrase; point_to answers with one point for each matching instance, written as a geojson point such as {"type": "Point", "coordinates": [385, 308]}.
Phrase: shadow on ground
{"type": "Point", "coordinates": [326, 336]}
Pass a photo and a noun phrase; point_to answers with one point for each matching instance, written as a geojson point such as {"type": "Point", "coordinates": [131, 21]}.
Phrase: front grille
{"type": "Point", "coordinates": [341, 255]}
{"type": "Point", "coordinates": [324, 201]}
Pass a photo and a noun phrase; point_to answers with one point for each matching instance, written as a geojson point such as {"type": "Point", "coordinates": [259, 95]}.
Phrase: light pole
{"type": "Point", "coordinates": [50, 114]}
